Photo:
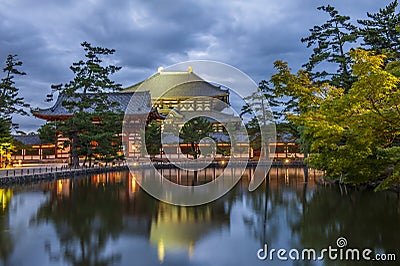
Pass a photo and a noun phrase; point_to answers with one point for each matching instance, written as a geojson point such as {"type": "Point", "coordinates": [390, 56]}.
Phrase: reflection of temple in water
{"type": "Point", "coordinates": [168, 228]}
{"type": "Point", "coordinates": [179, 228]}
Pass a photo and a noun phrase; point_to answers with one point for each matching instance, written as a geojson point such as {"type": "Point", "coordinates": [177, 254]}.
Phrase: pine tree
{"type": "Point", "coordinates": [10, 102]}
{"type": "Point", "coordinates": [352, 136]}
{"type": "Point", "coordinates": [153, 138]}
{"type": "Point", "coordinates": [381, 32]}
{"type": "Point", "coordinates": [6, 142]}
{"type": "Point", "coordinates": [87, 98]}
{"type": "Point", "coordinates": [263, 106]}
{"type": "Point", "coordinates": [330, 43]}
{"type": "Point", "coordinates": [193, 131]}
{"type": "Point", "coordinates": [48, 133]}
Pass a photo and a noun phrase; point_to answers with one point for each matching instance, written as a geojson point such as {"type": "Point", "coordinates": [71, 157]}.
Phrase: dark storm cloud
{"type": "Point", "coordinates": [249, 35]}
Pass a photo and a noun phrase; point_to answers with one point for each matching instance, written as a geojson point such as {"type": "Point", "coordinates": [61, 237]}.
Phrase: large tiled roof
{"type": "Point", "coordinates": [181, 84]}
{"type": "Point", "coordinates": [141, 104]}
{"type": "Point", "coordinates": [193, 89]}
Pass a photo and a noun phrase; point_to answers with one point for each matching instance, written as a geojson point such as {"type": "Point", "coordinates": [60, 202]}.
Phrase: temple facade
{"type": "Point", "coordinates": [180, 95]}
{"type": "Point", "coordinates": [177, 96]}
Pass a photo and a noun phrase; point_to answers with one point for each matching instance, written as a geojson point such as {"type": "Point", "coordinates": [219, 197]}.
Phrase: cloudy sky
{"type": "Point", "coordinates": [146, 34]}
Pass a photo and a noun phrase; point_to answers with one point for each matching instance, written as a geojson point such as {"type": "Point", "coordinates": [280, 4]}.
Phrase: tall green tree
{"type": "Point", "coordinates": [254, 133]}
{"type": "Point", "coordinates": [381, 31]}
{"type": "Point", "coordinates": [303, 95]}
{"type": "Point", "coordinates": [48, 133]}
{"type": "Point", "coordinates": [193, 131]}
{"type": "Point", "coordinates": [108, 141]}
{"type": "Point", "coordinates": [352, 135]}
{"type": "Point", "coordinates": [331, 42]}
{"type": "Point", "coordinates": [393, 68]}
{"type": "Point", "coordinates": [87, 98]}
{"type": "Point", "coordinates": [153, 138]}
{"type": "Point", "coordinates": [261, 126]}
{"type": "Point", "coordinates": [6, 143]}
{"type": "Point", "coordinates": [264, 100]}
{"type": "Point", "coordinates": [10, 101]}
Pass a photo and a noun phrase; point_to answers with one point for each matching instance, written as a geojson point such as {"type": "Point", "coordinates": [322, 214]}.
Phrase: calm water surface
{"type": "Point", "coordinates": [108, 220]}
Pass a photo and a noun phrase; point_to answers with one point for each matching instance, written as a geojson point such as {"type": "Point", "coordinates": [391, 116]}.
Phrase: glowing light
{"type": "Point", "coordinates": [287, 161]}
{"type": "Point", "coordinates": [3, 199]}
{"type": "Point", "coordinates": [59, 186]}
{"type": "Point", "coordinates": [161, 250]}
{"type": "Point", "coordinates": [287, 176]}
{"type": "Point", "coordinates": [133, 183]}
{"type": "Point", "coordinates": [191, 249]}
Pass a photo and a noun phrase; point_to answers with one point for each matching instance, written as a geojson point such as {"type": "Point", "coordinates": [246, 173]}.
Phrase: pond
{"type": "Point", "coordinates": [108, 219]}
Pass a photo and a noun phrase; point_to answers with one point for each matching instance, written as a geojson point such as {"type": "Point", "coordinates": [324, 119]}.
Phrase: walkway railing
{"type": "Point", "coordinates": [28, 171]}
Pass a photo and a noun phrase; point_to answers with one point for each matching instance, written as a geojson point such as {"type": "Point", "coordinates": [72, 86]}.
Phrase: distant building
{"type": "Point", "coordinates": [31, 149]}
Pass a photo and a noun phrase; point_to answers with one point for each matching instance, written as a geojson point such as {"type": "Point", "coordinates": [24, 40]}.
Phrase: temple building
{"type": "Point", "coordinates": [58, 113]}
{"type": "Point", "coordinates": [154, 98]}
{"type": "Point", "coordinates": [186, 92]}
{"type": "Point", "coordinates": [180, 96]}
{"type": "Point", "coordinates": [30, 148]}
{"type": "Point", "coordinates": [177, 95]}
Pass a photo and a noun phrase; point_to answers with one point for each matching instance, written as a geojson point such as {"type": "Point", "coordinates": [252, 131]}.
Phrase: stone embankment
{"type": "Point", "coordinates": [36, 175]}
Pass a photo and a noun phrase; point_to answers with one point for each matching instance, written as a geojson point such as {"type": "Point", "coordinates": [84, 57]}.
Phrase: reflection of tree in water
{"type": "Point", "coordinates": [278, 203]}
{"type": "Point", "coordinates": [365, 218]}
{"type": "Point", "coordinates": [85, 220]}
{"type": "Point", "coordinates": [6, 239]}
{"type": "Point", "coordinates": [275, 203]}
{"type": "Point", "coordinates": [88, 214]}
{"type": "Point", "coordinates": [317, 218]}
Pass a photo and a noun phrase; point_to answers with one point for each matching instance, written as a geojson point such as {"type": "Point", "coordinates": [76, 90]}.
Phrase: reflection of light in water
{"type": "Point", "coordinates": [5, 195]}
{"type": "Point", "coordinates": [63, 187]}
{"type": "Point", "coordinates": [117, 178]}
{"type": "Point", "coordinates": [191, 249]}
{"type": "Point", "coordinates": [59, 186]}
{"type": "Point", "coordinates": [287, 176]}
{"type": "Point", "coordinates": [161, 250]}
{"type": "Point", "coordinates": [3, 198]}
{"type": "Point", "coordinates": [178, 228]}
{"type": "Point", "coordinates": [134, 187]}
